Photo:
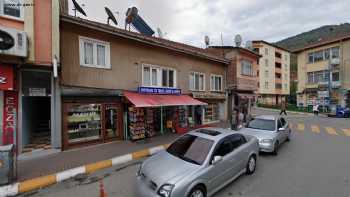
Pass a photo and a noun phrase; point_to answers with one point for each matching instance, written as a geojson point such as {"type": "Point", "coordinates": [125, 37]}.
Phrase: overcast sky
{"type": "Point", "coordinates": [189, 21]}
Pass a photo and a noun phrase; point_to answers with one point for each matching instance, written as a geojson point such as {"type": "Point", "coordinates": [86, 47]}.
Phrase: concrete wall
{"type": "Point", "coordinates": [126, 62]}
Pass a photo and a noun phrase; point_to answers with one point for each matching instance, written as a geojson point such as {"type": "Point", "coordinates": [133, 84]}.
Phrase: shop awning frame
{"type": "Point", "coordinates": [156, 100]}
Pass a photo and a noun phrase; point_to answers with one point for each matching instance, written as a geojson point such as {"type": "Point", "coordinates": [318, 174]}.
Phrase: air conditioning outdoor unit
{"type": "Point", "coordinates": [13, 42]}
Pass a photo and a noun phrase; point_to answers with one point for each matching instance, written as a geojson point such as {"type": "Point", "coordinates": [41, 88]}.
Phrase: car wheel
{"type": "Point", "coordinates": [198, 191]}
{"type": "Point", "coordinates": [251, 165]}
{"type": "Point", "coordinates": [275, 149]}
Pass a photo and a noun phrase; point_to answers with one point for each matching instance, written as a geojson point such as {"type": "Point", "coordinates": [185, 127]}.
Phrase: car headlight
{"type": "Point", "coordinates": [165, 190]}
{"type": "Point", "coordinates": [266, 141]}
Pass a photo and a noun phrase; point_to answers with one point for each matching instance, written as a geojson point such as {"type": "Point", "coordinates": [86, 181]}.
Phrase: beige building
{"type": "Point", "coordinates": [326, 62]}
{"type": "Point", "coordinates": [274, 73]}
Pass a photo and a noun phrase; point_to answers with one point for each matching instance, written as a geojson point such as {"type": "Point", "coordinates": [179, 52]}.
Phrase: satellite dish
{"type": "Point", "coordinates": [110, 16]}
{"type": "Point", "coordinates": [238, 40]}
{"type": "Point", "coordinates": [6, 40]}
{"type": "Point", "coordinates": [160, 33]}
{"type": "Point", "coordinates": [78, 8]}
{"type": "Point", "coordinates": [249, 45]}
{"type": "Point", "coordinates": [206, 40]}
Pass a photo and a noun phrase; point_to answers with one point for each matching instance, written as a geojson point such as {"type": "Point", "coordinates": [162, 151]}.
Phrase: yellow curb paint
{"type": "Point", "coordinates": [315, 129]}
{"type": "Point", "coordinates": [301, 127]}
{"type": "Point", "coordinates": [346, 132]}
{"type": "Point", "coordinates": [140, 154]}
{"type": "Point", "coordinates": [90, 168]}
{"type": "Point", "coordinates": [36, 183]}
{"type": "Point", "coordinates": [331, 131]}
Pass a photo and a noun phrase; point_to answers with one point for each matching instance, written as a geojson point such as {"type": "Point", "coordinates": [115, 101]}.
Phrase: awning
{"type": "Point", "coordinates": [154, 100]}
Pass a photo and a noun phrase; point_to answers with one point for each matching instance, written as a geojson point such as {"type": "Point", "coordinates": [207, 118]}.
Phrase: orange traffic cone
{"type": "Point", "coordinates": [102, 190]}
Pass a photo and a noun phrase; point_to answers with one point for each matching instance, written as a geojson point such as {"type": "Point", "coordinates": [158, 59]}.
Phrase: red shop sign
{"type": "Point", "coordinates": [10, 117]}
{"type": "Point", "coordinates": [6, 77]}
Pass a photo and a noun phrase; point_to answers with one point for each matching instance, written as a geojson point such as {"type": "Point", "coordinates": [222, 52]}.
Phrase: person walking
{"type": "Point", "coordinates": [283, 108]}
{"type": "Point", "coordinates": [315, 109]}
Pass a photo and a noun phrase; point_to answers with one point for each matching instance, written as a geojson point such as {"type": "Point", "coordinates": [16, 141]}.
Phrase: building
{"type": "Point", "coordinates": [117, 84]}
{"type": "Point", "coordinates": [28, 97]}
{"type": "Point", "coordinates": [323, 73]}
{"type": "Point", "coordinates": [242, 81]}
{"type": "Point", "coordinates": [274, 73]}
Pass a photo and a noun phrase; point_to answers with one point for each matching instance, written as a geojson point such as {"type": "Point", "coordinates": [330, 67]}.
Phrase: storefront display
{"type": "Point", "coordinates": [91, 122]}
{"type": "Point", "coordinates": [137, 123]}
{"type": "Point", "coordinates": [211, 112]}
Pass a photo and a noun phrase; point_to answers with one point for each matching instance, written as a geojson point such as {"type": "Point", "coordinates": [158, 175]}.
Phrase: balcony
{"type": "Point", "coordinates": [336, 84]}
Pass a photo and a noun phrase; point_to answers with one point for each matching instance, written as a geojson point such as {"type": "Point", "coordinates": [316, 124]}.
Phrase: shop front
{"type": "Point", "coordinates": [157, 111]}
{"type": "Point", "coordinates": [90, 116]}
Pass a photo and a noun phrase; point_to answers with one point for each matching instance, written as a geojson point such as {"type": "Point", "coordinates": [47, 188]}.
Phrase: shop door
{"type": "Point", "coordinates": [112, 122]}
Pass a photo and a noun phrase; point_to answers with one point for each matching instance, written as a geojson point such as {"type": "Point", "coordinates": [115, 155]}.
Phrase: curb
{"type": "Point", "coordinates": [292, 112]}
{"type": "Point", "coordinates": [44, 181]}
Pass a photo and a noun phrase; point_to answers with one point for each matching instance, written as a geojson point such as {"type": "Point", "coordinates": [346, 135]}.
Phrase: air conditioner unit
{"type": "Point", "coordinates": [13, 42]}
{"type": "Point", "coordinates": [335, 61]}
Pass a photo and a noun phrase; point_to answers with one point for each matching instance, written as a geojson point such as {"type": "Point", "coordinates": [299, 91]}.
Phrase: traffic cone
{"type": "Point", "coordinates": [102, 190]}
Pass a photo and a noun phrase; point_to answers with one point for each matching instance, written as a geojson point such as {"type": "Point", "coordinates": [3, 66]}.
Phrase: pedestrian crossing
{"type": "Point", "coordinates": [302, 127]}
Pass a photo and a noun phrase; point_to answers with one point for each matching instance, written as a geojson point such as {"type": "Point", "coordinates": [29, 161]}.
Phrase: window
{"type": "Point", "coordinates": [285, 86]}
{"type": "Point", "coordinates": [224, 148]}
{"type": "Point", "coordinates": [11, 9]}
{"type": "Point", "coordinates": [266, 62]}
{"type": "Point", "coordinates": [278, 86]}
{"type": "Point", "coordinates": [278, 55]}
{"type": "Point", "coordinates": [335, 76]}
{"type": "Point", "coordinates": [211, 112]}
{"type": "Point", "coordinates": [311, 58]}
{"type": "Point", "coordinates": [286, 57]}
{"type": "Point", "coordinates": [266, 73]}
{"type": "Point", "coordinates": [327, 53]}
{"type": "Point", "coordinates": [157, 76]}
{"type": "Point", "coordinates": [262, 124]}
{"type": "Point", "coordinates": [247, 68]}
{"type": "Point", "coordinates": [237, 140]}
{"type": "Point", "coordinates": [335, 52]}
{"type": "Point", "coordinates": [266, 51]}
{"type": "Point", "coordinates": [197, 81]}
{"type": "Point", "coordinates": [285, 66]}
{"type": "Point", "coordinates": [285, 76]}
{"type": "Point", "coordinates": [216, 83]}
{"type": "Point", "coordinates": [318, 56]}
{"type": "Point", "coordinates": [266, 85]}
{"type": "Point", "coordinates": [94, 53]}
{"type": "Point", "coordinates": [310, 77]}
{"type": "Point", "coordinates": [317, 77]}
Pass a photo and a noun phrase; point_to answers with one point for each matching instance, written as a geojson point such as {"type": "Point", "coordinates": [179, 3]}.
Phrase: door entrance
{"type": "Point", "coordinates": [36, 123]}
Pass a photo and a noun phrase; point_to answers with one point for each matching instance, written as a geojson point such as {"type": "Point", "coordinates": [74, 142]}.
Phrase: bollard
{"type": "Point", "coordinates": [102, 190]}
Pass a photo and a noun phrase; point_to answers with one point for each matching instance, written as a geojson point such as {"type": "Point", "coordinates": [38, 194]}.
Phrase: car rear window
{"type": "Point", "coordinates": [191, 148]}
{"type": "Point", "coordinates": [262, 124]}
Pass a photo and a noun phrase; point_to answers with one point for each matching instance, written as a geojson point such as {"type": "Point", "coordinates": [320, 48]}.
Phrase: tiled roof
{"type": "Point", "coordinates": [160, 42]}
{"type": "Point", "coordinates": [271, 44]}
{"type": "Point", "coordinates": [323, 42]}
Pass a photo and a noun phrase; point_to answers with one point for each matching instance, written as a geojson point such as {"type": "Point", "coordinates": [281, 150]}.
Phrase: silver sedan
{"type": "Point", "coordinates": [271, 131]}
{"type": "Point", "coordinates": [198, 164]}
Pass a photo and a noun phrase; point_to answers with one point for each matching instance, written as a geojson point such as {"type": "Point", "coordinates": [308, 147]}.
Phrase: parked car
{"type": "Point", "coordinates": [342, 112]}
{"type": "Point", "coordinates": [198, 164]}
{"type": "Point", "coordinates": [270, 130]}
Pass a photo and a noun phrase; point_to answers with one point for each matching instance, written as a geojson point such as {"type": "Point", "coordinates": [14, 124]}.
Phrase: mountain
{"type": "Point", "coordinates": [316, 35]}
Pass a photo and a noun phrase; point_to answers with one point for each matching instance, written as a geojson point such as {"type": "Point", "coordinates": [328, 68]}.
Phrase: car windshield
{"type": "Point", "coordinates": [191, 148]}
{"type": "Point", "coordinates": [262, 124]}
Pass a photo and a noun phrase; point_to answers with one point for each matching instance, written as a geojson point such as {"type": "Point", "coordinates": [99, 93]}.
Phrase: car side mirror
{"type": "Point", "coordinates": [216, 159]}
{"type": "Point", "coordinates": [281, 129]}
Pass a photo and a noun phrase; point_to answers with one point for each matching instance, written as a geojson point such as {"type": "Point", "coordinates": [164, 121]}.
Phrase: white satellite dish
{"type": "Point", "coordinates": [249, 45]}
{"type": "Point", "coordinates": [160, 33]}
{"type": "Point", "coordinates": [206, 41]}
{"type": "Point", "coordinates": [238, 40]}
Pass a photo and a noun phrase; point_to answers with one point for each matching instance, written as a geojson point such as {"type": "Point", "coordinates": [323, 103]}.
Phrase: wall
{"type": "Point", "coordinates": [126, 59]}
{"type": "Point", "coordinates": [1, 113]}
{"type": "Point", "coordinates": [345, 72]}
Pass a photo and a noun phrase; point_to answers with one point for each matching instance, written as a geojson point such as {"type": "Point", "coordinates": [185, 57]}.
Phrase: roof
{"type": "Point", "coordinates": [223, 133]}
{"type": "Point", "coordinates": [154, 41]}
{"type": "Point", "coordinates": [271, 44]}
{"type": "Point", "coordinates": [323, 43]}
{"type": "Point", "coordinates": [236, 48]}
{"type": "Point", "coordinates": [266, 117]}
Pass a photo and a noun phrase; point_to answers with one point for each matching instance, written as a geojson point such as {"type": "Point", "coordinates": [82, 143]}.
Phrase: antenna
{"type": "Point", "coordinates": [249, 45]}
{"type": "Point", "coordinates": [160, 33]}
{"type": "Point", "coordinates": [78, 8]}
{"type": "Point", "coordinates": [238, 40]}
{"type": "Point", "coordinates": [206, 41]}
{"type": "Point", "coordinates": [111, 16]}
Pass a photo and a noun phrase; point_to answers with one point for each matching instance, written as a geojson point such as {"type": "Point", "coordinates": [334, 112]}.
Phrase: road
{"type": "Point", "coordinates": [316, 162]}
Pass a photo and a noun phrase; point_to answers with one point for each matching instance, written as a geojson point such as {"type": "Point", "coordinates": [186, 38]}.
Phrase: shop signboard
{"type": "Point", "coordinates": [10, 117]}
{"type": "Point", "coordinates": [37, 91]}
{"type": "Point", "coordinates": [323, 94]}
{"type": "Point", "coordinates": [6, 77]}
{"type": "Point", "coordinates": [156, 90]}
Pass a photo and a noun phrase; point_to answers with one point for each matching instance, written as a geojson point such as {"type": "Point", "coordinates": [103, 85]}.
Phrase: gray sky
{"type": "Point", "coordinates": [189, 21]}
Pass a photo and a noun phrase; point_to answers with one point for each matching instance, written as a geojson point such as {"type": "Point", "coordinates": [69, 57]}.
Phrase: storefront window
{"type": "Point", "coordinates": [84, 122]}
{"type": "Point", "coordinates": [211, 112]}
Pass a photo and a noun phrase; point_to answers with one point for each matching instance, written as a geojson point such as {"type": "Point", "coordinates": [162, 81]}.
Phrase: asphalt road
{"type": "Point", "coordinates": [315, 163]}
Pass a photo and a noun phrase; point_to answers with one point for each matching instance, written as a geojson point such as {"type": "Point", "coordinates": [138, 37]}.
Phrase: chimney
{"type": "Point", "coordinates": [64, 7]}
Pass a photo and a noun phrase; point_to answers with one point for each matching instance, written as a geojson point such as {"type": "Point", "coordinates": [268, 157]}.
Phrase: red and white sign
{"type": "Point", "coordinates": [6, 77]}
{"type": "Point", "coordinates": [10, 117]}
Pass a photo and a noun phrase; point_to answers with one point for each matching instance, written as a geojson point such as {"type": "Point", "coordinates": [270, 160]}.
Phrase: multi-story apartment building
{"type": "Point", "coordinates": [117, 84]}
{"type": "Point", "coordinates": [324, 73]}
{"type": "Point", "coordinates": [274, 73]}
{"type": "Point", "coordinates": [28, 98]}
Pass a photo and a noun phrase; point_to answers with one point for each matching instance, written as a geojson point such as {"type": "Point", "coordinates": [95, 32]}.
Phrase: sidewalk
{"type": "Point", "coordinates": [60, 161]}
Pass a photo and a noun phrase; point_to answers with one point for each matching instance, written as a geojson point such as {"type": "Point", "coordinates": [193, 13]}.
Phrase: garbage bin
{"type": "Point", "coordinates": [7, 164]}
